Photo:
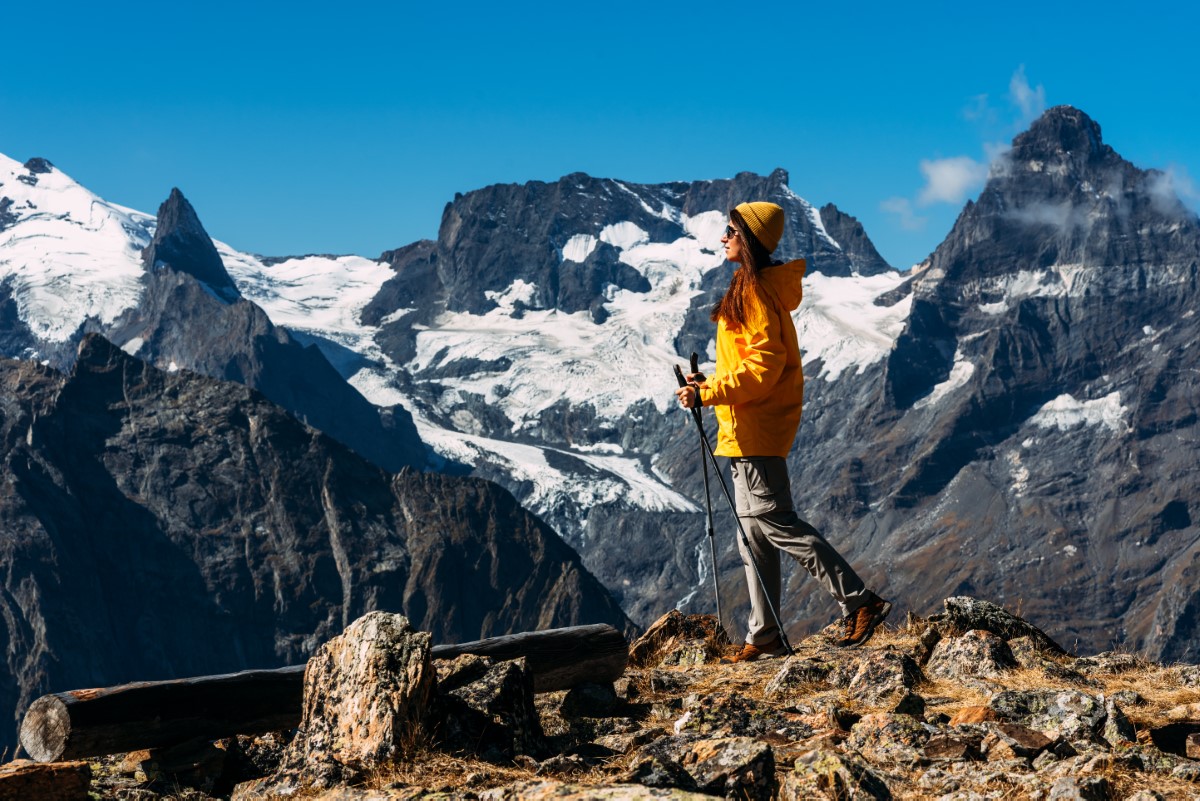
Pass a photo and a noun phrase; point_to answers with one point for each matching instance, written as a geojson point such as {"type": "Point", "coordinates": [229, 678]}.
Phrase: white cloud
{"type": "Point", "coordinates": [1031, 101]}
{"type": "Point", "coordinates": [950, 180]}
{"type": "Point", "coordinates": [903, 209]}
{"type": "Point", "coordinates": [1171, 188]}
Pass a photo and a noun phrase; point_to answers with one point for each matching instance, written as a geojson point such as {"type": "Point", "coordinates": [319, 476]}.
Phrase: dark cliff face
{"type": "Point", "coordinates": [181, 244]}
{"type": "Point", "coordinates": [167, 524]}
{"type": "Point", "coordinates": [1030, 437]}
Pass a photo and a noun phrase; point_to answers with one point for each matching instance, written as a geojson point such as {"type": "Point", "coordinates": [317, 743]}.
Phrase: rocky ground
{"type": "Point", "coordinates": [973, 703]}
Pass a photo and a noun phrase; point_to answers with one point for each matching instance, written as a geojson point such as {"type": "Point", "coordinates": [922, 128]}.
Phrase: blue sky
{"type": "Point", "coordinates": [346, 128]}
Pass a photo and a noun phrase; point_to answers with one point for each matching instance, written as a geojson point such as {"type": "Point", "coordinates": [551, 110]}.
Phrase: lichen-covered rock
{"type": "Point", "coordinates": [1188, 675]}
{"type": "Point", "coordinates": [1109, 663]}
{"type": "Point", "coordinates": [366, 696]}
{"type": "Point", "coordinates": [797, 674]}
{"type": "Point", "coordinates": [723, 714]}
{"type": "Point", "coordinates": [1091, 788]}
{"type": "Point", "coordinates": [736, 767]}
{"type": "Point", "coordinates": [1069, 714]}
{"type": "Point", "coordinates": [883, 737]}
{"type": "Point", "coordinates": [1117, 728]}
{"type": "Point", "coordinates": [824, 774]}
{"type": "Point", "coordinates": [876, 676]}
{"type": "Point", "coordinates": [557, 791]}
{"type": "Point", "coordinates": [964, 613]}
{"type": "Point", "coordinates": [678, 639]}
{"type": "Point", "coordinates": [976, 654]}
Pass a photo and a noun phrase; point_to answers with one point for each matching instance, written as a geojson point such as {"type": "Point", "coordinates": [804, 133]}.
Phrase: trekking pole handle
{"type": "Point", "coordinates": [695, 363]}
{"type": "Point", "coordinates": [679, 376]}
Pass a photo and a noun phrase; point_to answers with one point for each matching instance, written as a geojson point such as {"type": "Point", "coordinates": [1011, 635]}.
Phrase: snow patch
{"type": "Point", "coordinates": [133, 346]}
{"type": "Point", "coordinates": [579, 247]}
{"type": "Point", "coordinates": [839, 323]}
{"type": "Point", "coordinates": [519, 291]}
{"type": "Point", "coordinates": [1065, 412]}
{"type": "Point", "coordinates": [624, 235]}
{"type": "Point", "coordinates": [960, 374]}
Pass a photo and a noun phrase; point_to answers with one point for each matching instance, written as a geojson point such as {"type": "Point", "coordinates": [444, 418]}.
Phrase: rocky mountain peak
{"type": "Point", "coordinates": [181, 244]}
{"type": "Point", "coordinates": [1063, 137]}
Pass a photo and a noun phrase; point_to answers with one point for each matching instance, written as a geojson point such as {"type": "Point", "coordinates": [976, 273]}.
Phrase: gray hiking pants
{"type": "Point", "coordinates": [764, 505]}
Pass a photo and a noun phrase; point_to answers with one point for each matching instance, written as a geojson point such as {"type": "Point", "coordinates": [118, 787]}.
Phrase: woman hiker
{"type": "Point", "coordinates": [757, 391]}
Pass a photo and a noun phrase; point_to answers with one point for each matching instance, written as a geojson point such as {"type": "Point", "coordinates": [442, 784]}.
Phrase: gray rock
{"type": "Point", "coordinates": [1068, 714]}
{"type": "Point", "coordinates": [1093, 788]}
{"type": "Point", "coordinates": [877, 675]}
{"type": "Point", "coordinates": [975, 654]}
{"type": "Point", "coordinates": [797, 675]}
{"type": "Point", "coordinates": [828, 774]}
{"type": "Point", "coordinates": [589, 700]}
{"type": "Point", "coordinates": [501, 712]}
{"type": "Point", "coordinates": [965, 614]}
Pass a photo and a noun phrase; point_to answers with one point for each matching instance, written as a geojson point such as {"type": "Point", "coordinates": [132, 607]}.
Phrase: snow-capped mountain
{"type": "Point", "coordinates": [70, 264]}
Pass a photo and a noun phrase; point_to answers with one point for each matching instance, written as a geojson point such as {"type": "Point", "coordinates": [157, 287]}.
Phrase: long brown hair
{"type": "Point", "coordinates": [744, 288]}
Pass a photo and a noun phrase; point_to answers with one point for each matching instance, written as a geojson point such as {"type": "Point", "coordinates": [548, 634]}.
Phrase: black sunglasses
{"type": "Point", "coordinates": [730, 232]}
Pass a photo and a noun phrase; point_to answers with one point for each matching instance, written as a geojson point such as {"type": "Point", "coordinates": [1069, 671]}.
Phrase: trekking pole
{"type": "Point", "coordinates": [712, 457]}
{"type": "Point", "coordinates": [712, 536]}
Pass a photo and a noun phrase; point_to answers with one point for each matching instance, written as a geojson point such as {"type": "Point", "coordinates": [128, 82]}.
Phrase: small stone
{"type": "Point", "coordinates": [1192, 746]}
{"type": "Point", "coordinates": [624, 743]}
{"type": "Point", "coordinates": [797, 673]}
{"type": "Point", "coordinates": [1188, 675]}
{"type": "Point", "coordinates": [1188, 772]}
{"type": "Point", "coordinates": [1045, 760]}
{"type": "Point", "coordinates": [965, 613]}
{"type": "Point", "coordinates": [1068, 788]}
{"type": "Point", "coordinates": [1128, 698]}
{"type": "Point", "coordinates": [910, 704]}
{"type": "Point", "coordinates": [589, 700]}
{"type": "Point", "coordinates": [944, 748]}
{"type": "Point", "coordinates": [736, 767]}
{"type": "Point", "coordinates": [1146, 795]}
{"type": "Point", "coordinates": [1009, 740]}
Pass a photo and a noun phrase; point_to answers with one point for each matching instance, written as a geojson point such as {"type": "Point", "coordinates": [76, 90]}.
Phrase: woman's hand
{"type": "Point", "coordinates": [689, 396]}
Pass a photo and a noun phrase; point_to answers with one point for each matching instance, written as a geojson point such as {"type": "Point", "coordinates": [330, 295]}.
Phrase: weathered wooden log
{"type": "Point", "coordinates": [152, 714]}
{"type": "Point", "coordinates": [157, 714]}
{"type": "Point", "coordinates": [558, 658]}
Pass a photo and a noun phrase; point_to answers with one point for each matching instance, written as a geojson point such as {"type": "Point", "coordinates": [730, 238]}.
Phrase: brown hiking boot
{"type": "Point", "coordinates": [753, 653]}
{"type": "Point", "coordinates": [859, 625]}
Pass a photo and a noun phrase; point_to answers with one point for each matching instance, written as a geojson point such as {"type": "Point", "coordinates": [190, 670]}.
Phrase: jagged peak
{"type": "Point", "coordinates": [181, 243]}
{"type": "Point", "coordinates": [1061, 133]}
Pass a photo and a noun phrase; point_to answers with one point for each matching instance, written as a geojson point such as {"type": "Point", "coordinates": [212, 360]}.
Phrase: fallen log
{"type": "Point", "coordinates": [158, 714]}
{"type": "Point", "coordinates": [559, 659]}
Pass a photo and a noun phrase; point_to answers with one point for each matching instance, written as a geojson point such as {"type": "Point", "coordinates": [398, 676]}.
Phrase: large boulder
{"type": "Point", "coordinates": [366, 696]}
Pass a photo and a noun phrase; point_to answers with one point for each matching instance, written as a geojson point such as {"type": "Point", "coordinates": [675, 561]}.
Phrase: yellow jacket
{"type": "Point", "coordinates": [758, 385]}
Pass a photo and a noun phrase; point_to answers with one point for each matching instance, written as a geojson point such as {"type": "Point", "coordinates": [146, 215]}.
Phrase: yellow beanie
{"type": "Point", "coordinates": [765, 221]}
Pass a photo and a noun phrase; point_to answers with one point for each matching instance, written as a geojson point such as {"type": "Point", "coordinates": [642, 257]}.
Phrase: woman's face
{"type": "Point", "coordinates": [733, 243]}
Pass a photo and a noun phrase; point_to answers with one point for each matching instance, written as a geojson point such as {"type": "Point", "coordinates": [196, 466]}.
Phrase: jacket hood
{"type": "Point", "coordinates": [784, 281]}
